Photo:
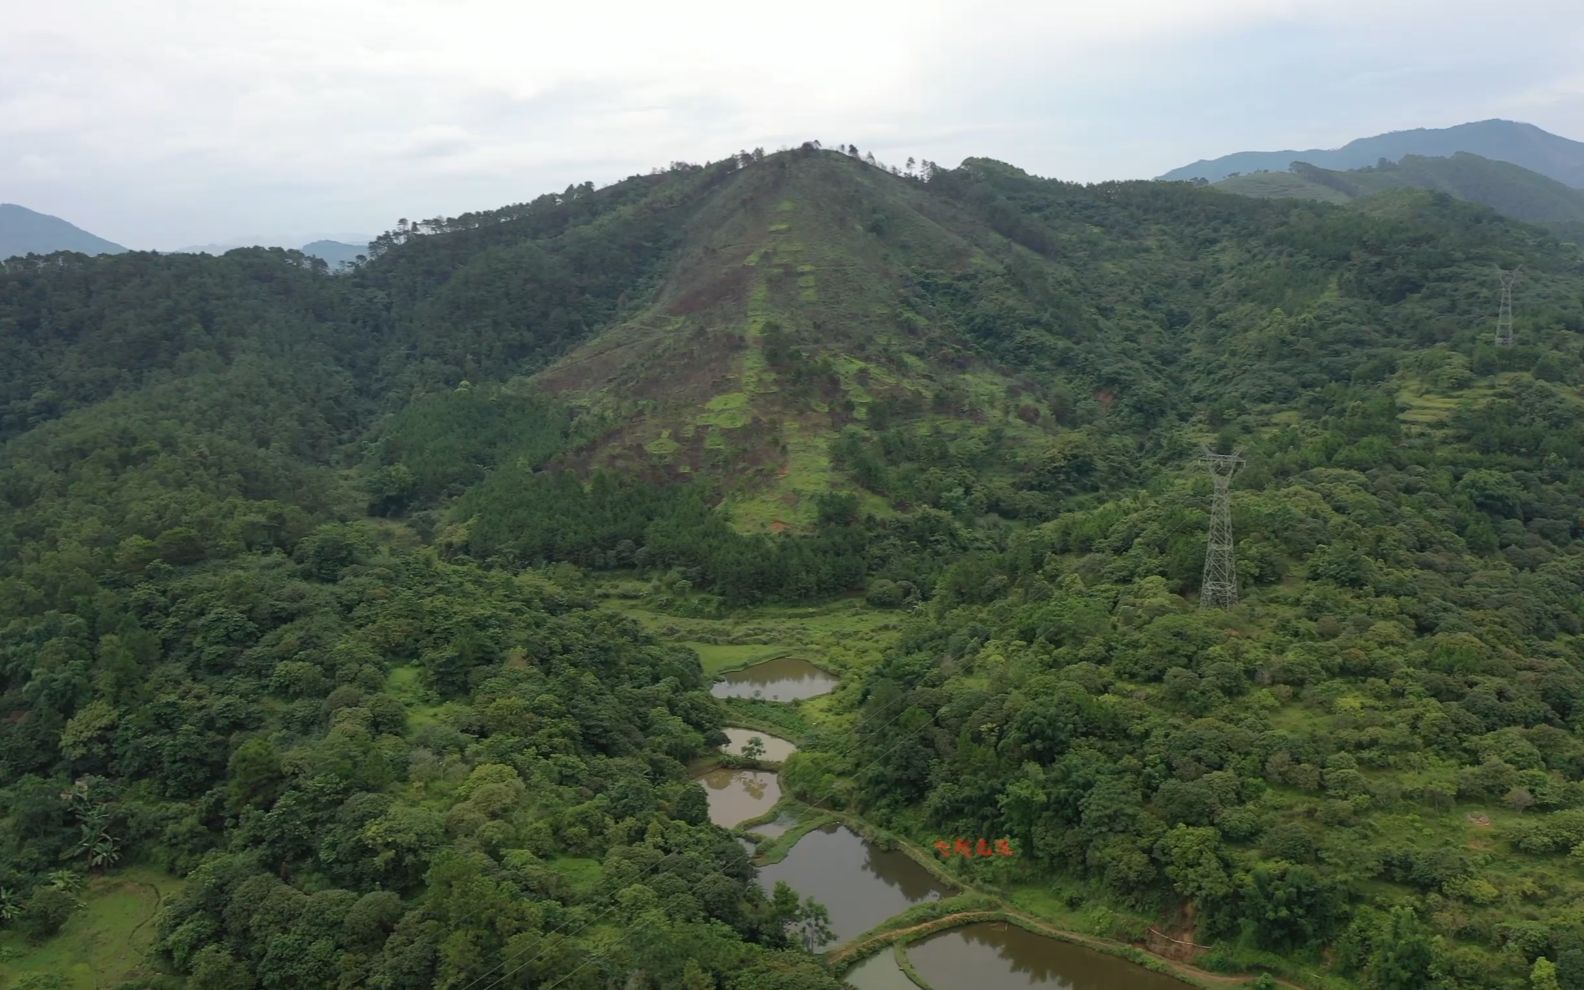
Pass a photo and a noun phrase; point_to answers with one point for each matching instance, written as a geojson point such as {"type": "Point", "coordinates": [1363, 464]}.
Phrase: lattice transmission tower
{"type": "Point", "coordinates": [1504, 323]}
{"type": "Point", "coordinates": [1219, 589]}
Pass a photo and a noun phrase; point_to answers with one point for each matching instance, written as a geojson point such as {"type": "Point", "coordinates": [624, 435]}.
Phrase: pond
{"type": "Point", "coordinates": [859, 884]}
{"type": "Point", "coordinates": [993, 956]}
{"type": "Point", "coordinates": [776, 749]}
{"type": "Point", "coordinates": [738, 795]}
{"type": "Point", "coordinates": [879, 972]}
{"type": "Point", "coordinates": [782, 679]}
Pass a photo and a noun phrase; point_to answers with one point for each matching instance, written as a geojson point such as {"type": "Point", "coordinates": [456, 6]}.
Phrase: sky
{"type": "Point", "coordinates": [166, 123]}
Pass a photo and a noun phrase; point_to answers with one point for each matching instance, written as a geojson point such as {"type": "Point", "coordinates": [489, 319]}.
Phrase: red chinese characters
{"type": "Point", "coordinates": [979, 849]}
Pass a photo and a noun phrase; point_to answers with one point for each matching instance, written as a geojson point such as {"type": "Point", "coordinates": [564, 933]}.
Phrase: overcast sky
{"type": "Point", "coordinates": [175, 122]}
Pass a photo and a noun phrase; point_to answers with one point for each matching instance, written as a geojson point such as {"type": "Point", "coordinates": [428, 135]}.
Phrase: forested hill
{"type": "Point", "coordinates": [293, 570]}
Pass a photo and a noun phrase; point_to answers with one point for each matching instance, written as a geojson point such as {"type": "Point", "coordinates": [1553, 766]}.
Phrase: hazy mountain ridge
{"type": "Point", "coordinates": [24, 231]}
{"type": "Point", "coordinates": [1522, 144]}
{"type": "Point", "coordinates": [337, 253]}
{"type": "Point", "coordinates": [333, 251]}
{"type": "Point", "coordinates": [1509, 189]}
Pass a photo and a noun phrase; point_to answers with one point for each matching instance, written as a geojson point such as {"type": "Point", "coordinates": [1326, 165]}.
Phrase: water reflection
{"type": "Point", "coordinates": [993, 956]}
{"type": "Point", "coordinates": [879, 972]}
{"type": "Point", "coordinates": [859, 884]}
{"type": "Point", "coordinates": [782, 679]}
{"type": "Point", "coordinates": [776, 749]}
{"type": "Point", "coordinates": [738, 795]}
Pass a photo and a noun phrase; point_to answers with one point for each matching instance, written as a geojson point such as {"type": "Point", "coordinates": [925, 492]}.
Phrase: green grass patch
{"type": "Point", "coordinates": [663, 445]}
{"type": "Point", "coordinates": [105, 942]}
{"type": "Point", "coordinates": [582, 873]}
{"type": "Point", "coordinates": [718, 658]}
{"type": "Point", "coordinates": [789, 498]}
{"type": "Point", "coordinates": [727, 411]}
{"type": "Point", "coordinates": [405, 684]}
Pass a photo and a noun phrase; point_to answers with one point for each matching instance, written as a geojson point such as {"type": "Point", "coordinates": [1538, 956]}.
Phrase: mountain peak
{"type": "Point", "coordinates": [1501, 140]}
{"type": "Point", "coordinates": [25, 231]}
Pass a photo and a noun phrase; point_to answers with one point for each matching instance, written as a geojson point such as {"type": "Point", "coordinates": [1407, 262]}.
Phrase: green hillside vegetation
{"type": "Point", "coordinates": [1506, 188]}
{"type": "Point", "coordinates": [356, 602]}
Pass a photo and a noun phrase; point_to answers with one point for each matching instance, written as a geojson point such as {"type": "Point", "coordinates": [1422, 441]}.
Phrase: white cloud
{"type": "Point", "coordinates": [168, 123]}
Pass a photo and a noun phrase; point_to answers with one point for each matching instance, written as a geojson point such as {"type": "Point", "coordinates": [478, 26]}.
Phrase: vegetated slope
{"type": "Point", "coordinates": [1508, 189]}
{"type": "Point", "coordinates": [266, 536]}
{"type": "Point", "coordinates": [24, 231]}
{"type": "Point", "coordinates": [1328, 776]}
{"type": "Point", "coordinates": [1501, 140]}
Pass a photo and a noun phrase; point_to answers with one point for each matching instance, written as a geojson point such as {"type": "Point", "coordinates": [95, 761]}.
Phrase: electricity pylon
{"type": "Point", "coordinates": [1504, 323]}
{"type": "Point", "coordinates": [1219, 588]}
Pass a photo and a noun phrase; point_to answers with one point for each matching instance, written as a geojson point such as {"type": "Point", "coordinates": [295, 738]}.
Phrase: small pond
{"type": "Point", "coordinates": [738, 795]}
{"type": "Point", "coordinates": [859, 884]}
{"type": "Point", "coordinates": [993, 956]}
{"type": "Point", "coordinates": [776, 749]}
{"type": "Point", "coordinates": [782, 679]}
{"type": "Point", "coordinates": [879, 972]}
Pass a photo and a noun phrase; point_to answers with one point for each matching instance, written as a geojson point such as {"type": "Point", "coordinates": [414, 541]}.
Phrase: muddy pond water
{"type": "Point", "coordinates": [879, 972]}
{"type": "Point", "coordinates": [738, 795]}
{"type": "Point", "coordinates": [775, 828]}
{"type": "Point", "coordinates": [782, 679]}
{"type": "Point", "coordinates": [776, 749]}
{"type": "Point", "coordinates": [859, 884]}
{"type": "Point", "coordinates": [992, 956]}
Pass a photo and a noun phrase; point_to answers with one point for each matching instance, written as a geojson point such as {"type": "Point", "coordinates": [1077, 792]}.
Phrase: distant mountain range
{"type": "Point", "coordinates": [1499, 140]}
{"type": "Point", "coordinates": [333, 251]}
{"type": "Point", "coordinates": [1506, 188]}
{"type": "Point", "coordinates": [25, 231]}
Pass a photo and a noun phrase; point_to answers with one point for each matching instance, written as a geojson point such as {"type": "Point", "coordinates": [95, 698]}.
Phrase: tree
{"type": "Point", "coordinates": [1192, 858]}
{"type": "Point", "coordinates": [813, 924]}
{"type": "Point", "coordinates": [213, 968]}
{"type": "Point", "coordinates": [694, 977]}
{"type": "Point", "coordinates": [754, 748]}
{"type": "Point", "coordinates": [1543, 975]}
{"type": "Point", "coordinates": [68, 880]}
{"type": "Point", "coordinates": [45, 912]}
{"type": "Point", "coordinates": [1291, 906]}
{"type": "Point", "coordinates": [10, 906]}
{"type": "Point", "coordinates": [1403, 953]}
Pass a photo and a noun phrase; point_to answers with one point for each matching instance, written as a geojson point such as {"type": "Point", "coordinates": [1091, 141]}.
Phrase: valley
{"type": "Point", "coordinates": [389, 618]}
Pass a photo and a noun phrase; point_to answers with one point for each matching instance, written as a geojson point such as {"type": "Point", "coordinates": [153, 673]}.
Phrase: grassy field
{"type": "Point", "coordinates": [841, 635]}
{"type": "Point", "coordinates": [582, 873]}
{"type": "Point", "coordinates": [405, 683]}
{"type": "Point", "coordinates": [718, 658]}
{"type": "Point", "coordinates": [105, 942]}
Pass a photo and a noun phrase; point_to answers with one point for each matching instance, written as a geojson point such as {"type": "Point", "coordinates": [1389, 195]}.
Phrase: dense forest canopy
{"type": "Point", "coordinates": [295, 571]}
